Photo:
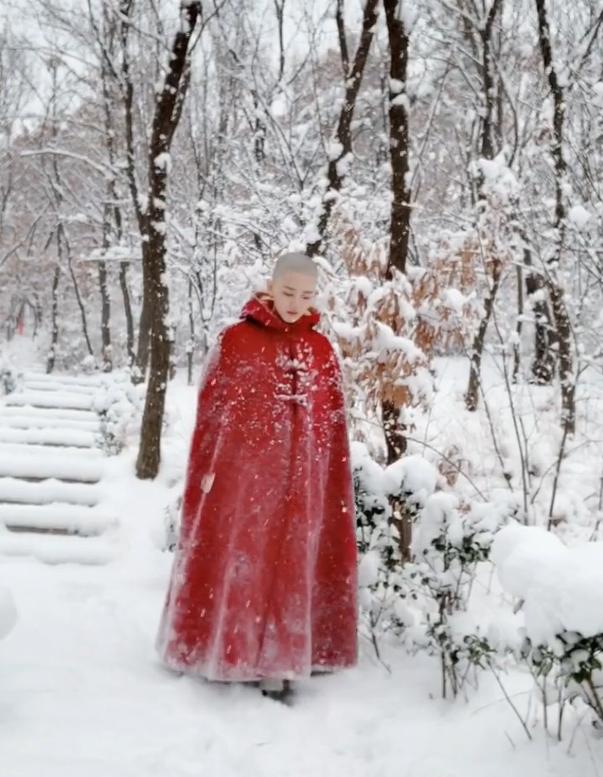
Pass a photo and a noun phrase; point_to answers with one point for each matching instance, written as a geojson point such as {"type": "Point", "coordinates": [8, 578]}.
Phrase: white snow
{"type": "Point", "coordinates": [14, 490]}
{"type": "Point", "coordinates": [8, 612]}
{"type": "Point", "coordinates": [499, 179]}
{"type": "Point", "coordinates": [335, 150]}
{"type": "Point", "coordinates": [454, 299]}
{"type": "Point", "coordinates": [83, 692]}
{"type": "Point", "coordinates": [401, 100]}
{"type": "Point", "coordinates": [163, 161]}
{"type": "Point", "coordinates": [37, 418]}
{"type": "Point", "coordinates": [53, 549]}
{"type": "Point", "coordinates": [579, 216]}
{"type": "Point", "coordinates": [415, 473]}
{"type": "Point", "coordinates": [69, 400]}
{"type": "Point", "coordinates": [46, 436]}
{"type": "Point", "coordinates": [562, 587]}
{"type": "Point", "coordinates": [368, 569]}
{"type": "Point", "coordinates": [65, 517]}
{"type": "Point", "coordinates": [26, 464]}
{"type": "Point", "coordinates": [95, 701]}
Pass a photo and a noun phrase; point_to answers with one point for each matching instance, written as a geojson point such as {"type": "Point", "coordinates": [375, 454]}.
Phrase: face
{"type": "Point", "coordinates": [293, 294]}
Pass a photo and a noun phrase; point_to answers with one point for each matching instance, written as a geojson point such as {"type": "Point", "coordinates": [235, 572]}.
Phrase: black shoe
{"type": "Point", "coordinates": [284, 694]}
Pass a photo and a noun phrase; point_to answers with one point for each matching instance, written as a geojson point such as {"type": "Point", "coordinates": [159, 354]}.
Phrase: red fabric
{"type": "Point", "coordinates": [264, 581]}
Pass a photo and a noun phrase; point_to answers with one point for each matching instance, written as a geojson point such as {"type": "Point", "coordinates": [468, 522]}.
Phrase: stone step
{"type": "Point", "coordinates": [15, 490]}
{"type": "Point", "coordinates": [44, 399]}
{"type": "Point", "coordinates": [86, 381]}
{"type": "Point", "coordinates": [55, 518]}
{"type": "Point", "coordinates": [55, 549]}
{"type": "Point", "coordinates": [52, 437]}
{"type": "Point", "coordinates": [31, 465]}
{"type": "Point", "coordinates": [36, 418]}
{"type": "Point", "coordinates": [53, 386]}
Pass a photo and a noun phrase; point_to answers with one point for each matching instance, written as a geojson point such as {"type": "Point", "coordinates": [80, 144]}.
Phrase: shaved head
{"type": "Point", "coordinates": [294, 262]}
{"type": "Point", "coordinates": [293, 285]}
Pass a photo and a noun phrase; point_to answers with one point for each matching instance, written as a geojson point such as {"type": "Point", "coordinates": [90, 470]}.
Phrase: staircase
{"type": "Point", "coordinates": [51, 472]}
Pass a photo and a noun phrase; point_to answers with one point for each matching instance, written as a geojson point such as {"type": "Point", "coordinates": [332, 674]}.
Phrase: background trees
{"type": "Point", "coordinates": [443, 164]}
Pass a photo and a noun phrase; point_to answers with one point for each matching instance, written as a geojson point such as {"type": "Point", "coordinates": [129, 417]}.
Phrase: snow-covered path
{"type": "Point", "coordinates": [82, 694]}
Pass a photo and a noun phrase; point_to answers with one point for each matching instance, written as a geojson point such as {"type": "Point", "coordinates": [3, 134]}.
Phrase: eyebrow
{"type": "Point", "coordinates": [293, 289]}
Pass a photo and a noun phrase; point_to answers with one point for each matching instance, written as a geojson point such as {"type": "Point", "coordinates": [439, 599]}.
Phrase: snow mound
{"type": "Point", "coordinates": [561, 586]}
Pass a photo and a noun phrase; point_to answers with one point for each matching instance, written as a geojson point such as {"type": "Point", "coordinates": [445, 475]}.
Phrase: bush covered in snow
{"type": "Point", "coordinates": [9, 377]}
{"type": "Point", "coordinates": [560, 592]}
{"type": "Point", "coordinates": [417, 600]}
{"type": "Point", "coordinates": [119, 406]}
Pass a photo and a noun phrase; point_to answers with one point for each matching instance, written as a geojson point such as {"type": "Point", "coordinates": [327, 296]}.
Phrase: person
{"type": "Point", "coordinates": [263, 587]}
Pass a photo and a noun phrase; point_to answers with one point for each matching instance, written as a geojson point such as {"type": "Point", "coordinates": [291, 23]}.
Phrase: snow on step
{"type": "Point", "coordinates": [62, 399]}
{"type": "Point", "coordinates": [48, 386]}
{"type": "Point", "coordinates": [61, 517]}
{"type": "Point", "coordinates": [14, 490]}
{"type": "Point", "coordinates": [26, 418]}
{"type": "Point", "coordinates": [51, 451]}
{"type": "Point", "coordinates": [91, 381]}
{"type": "Point", "coordinates": [50, 465]}
{"type": "Point", "coordinates": [57, 436]}
{"type": "Point", "coordinates": [50, 413]}
{"type": "Point", "coordinates": [54, 549]}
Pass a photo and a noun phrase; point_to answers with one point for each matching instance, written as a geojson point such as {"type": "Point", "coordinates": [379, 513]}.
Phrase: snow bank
{"type": "Point", "coordinates": [562, 587]}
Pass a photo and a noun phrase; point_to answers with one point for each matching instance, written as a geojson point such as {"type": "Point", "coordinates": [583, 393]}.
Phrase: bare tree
{"type": "Point", "coordinates": [340, 150]}
{"type": "Point", "coordinates": [553, 283]}
{"type": "Point", "coordinates": [168, 109]}
{"type": "Point", "coordinates": [482, 36]}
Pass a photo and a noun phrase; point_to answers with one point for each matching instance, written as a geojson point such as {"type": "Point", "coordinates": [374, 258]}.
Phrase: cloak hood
{"type": "Point", "coordinates": [260, 308]}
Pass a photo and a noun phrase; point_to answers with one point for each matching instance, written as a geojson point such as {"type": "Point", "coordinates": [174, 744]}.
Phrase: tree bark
{"type": "Point", "coordinates": [166, 117]}
{"type": "Point", "coordinates": [558, 306]}
{"type": "Point", "coordinates": [398, 138]}
{"type": "Point", "coordinates": [123, 283]}
{"type": "Point", "coordinates": [105, 317]}
{"type": "Point", "coordinates": [398, 38]}
{"type": "Point", "coordinates": [54, 321]}
{"type": "Point", "coordinates": [472, 393]}
{"type": "Point", "coordinates": [486, 152]}
{"type": "Point", "coordinates": [142, 352]}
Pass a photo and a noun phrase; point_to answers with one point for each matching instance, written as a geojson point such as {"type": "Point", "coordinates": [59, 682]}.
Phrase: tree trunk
{"type": "Point", "coordinates": [472, 393]}
{"type": "Point", "coordinates": [168, 110]}
{"type": "Point", "coordinates": [553, 283]}
{"type": "Point", "coordinates": [54, 321]}
{"type": "Point", "coordinates": [398, 107]}
{"type": "Point", "coordinates": [105, 317]}
{"type": "Point", "coordinates": [486, 152]}
{"type": "Point", "coordinates": [62, 241]}
{"type": "Point", "coordinates": [543, 365]}
{"type": "Point", "coordinates": [139, 367]}
{"type": "Point", "coordinates": [398, 138]}
{"type": "Point", "coordinates": [123, 283]}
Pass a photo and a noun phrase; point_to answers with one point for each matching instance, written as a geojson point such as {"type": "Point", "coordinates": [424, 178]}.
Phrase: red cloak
{"type": "Point", "coordinates": [264, 580]}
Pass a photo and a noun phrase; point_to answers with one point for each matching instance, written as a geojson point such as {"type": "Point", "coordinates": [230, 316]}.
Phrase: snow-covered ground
{"type": "Point", "coordinates": [82, 692]}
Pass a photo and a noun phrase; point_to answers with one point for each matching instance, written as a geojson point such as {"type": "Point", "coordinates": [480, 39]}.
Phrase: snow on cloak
{"type": "Point", "coordinates": [264, 580]}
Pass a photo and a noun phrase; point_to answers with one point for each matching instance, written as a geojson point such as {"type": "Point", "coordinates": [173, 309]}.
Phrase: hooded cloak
{"type": "Point", "coordinates": [264, 579]}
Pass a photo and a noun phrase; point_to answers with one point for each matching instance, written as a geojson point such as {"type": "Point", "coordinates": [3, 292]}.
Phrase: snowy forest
{"type": "Point", "coordinates": [442, 164]}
